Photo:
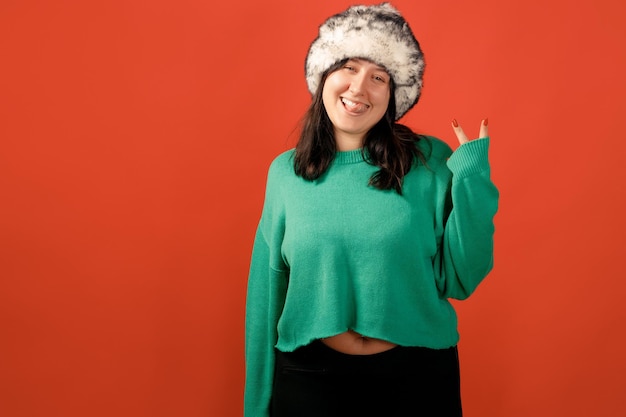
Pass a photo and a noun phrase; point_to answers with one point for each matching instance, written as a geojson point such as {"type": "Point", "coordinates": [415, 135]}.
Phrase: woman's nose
{"type": "Point", "coordinates": [357, 84]}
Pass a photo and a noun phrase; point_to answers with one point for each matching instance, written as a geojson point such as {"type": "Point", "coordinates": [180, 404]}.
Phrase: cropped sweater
{"type": "Point", "coordinates": [336, 254]}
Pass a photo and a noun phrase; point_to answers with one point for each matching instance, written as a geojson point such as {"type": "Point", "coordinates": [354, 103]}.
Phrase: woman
{"type": "Point", "coordinates": [367, 230]}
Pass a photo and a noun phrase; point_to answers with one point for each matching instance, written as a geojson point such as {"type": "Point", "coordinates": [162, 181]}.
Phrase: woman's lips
{"type": "Point", "coordinates": [354, 106]}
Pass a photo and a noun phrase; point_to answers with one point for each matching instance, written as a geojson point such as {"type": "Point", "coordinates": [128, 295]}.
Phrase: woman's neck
{"type": "Point", "coordinates": [347, 142]}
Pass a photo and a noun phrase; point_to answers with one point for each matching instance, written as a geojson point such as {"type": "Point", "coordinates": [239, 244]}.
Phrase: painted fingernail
{"type": "Point", "coordinates": [455, 123]}
{"type": "Point", "coordinates": [485, 121]}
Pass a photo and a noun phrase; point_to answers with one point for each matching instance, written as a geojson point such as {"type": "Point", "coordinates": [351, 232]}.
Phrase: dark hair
{"type": "Point", "coordinates": [388, 145]}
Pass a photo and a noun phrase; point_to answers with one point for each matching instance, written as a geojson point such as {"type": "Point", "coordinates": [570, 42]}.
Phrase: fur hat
{"type": "Point", "coordinates": [376, 33]}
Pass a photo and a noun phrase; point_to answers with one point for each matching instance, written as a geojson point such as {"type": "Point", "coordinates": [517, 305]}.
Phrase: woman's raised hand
{"type": "Point", "coordinates": [462, 137]}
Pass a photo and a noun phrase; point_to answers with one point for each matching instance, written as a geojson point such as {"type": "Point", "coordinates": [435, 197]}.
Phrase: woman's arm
{"type": "Point", "coordinates": [465, 255]}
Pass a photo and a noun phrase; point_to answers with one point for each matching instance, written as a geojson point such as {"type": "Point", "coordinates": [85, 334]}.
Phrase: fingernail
{"type": "Point", "coordinates": [455, 123]}
{"type": "Point", "coordinates": [486, 121]}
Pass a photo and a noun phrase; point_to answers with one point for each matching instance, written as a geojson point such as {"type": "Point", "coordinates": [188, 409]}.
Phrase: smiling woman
{"type": "Point", "coordinates": [367, 230]}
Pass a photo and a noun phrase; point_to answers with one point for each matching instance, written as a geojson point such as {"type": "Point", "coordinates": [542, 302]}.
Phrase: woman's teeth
{"type": "Point", "coordinates": [353, 106]}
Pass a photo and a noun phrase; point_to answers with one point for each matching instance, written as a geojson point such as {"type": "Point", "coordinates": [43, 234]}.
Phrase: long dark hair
{"type": "Point", "coordinates": [388, 145]}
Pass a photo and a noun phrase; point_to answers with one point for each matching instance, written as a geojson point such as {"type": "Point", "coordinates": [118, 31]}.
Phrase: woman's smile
{"type": "Point", "coordinates": [354, 106]}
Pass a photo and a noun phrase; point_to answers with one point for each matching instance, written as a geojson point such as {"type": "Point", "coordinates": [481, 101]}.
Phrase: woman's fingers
{"type": "Point", "coordinates": [462, 137]}
{"type": "Point", "coordinates": [484, 131]}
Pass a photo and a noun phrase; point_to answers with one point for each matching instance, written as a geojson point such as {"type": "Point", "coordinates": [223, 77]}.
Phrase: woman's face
{"type": "Point", "coordinates": [355, 97]}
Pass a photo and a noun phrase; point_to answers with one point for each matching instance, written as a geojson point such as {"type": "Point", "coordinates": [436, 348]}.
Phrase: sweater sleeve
{"type": "Point", "coordinates": [465, 254]}
{"type": "Point", "coordinates": [267, 286]}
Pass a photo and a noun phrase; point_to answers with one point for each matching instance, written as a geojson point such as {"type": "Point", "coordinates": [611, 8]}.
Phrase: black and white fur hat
{"type": "Point", "coordinates": [376, 33]}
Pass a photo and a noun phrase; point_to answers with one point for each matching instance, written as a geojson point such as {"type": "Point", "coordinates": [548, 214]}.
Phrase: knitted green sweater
{"type": "Point", "coordinates": [336, 254]}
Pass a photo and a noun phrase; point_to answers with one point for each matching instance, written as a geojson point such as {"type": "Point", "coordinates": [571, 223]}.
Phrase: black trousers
{"type": "Point", "coordinates": [317, 381]}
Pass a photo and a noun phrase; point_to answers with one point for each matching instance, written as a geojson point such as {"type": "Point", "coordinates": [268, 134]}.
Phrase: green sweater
{"type": "Point", "coordinates": [336, 254]}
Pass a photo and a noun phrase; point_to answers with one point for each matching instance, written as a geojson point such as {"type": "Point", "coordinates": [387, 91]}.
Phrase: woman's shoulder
{"type": "Point", "coordinates": [430, 147]}
{"type": "Point", "coordinates": [283, 161]}
{"type": "Point", "coordinates": [434, 149]}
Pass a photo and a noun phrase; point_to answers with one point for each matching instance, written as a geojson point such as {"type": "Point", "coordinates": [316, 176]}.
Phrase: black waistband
{"type": "Point", "coordinates": [317, 357]}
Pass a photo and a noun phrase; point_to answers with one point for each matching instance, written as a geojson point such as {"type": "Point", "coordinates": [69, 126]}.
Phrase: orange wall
{"type": "Point", "coordinates": [134, 141]}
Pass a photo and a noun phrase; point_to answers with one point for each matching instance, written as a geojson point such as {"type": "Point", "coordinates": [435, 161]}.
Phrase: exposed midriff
{"type": "Point", "coordinates": [353, 343]}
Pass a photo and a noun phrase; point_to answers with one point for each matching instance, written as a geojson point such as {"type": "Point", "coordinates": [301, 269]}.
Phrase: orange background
{"type": "Point", "coordinates": [135, 137]}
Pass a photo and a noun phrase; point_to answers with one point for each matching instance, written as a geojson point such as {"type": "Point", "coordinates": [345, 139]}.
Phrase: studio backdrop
{"type": "Point", "coordinates": [135, 137]}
